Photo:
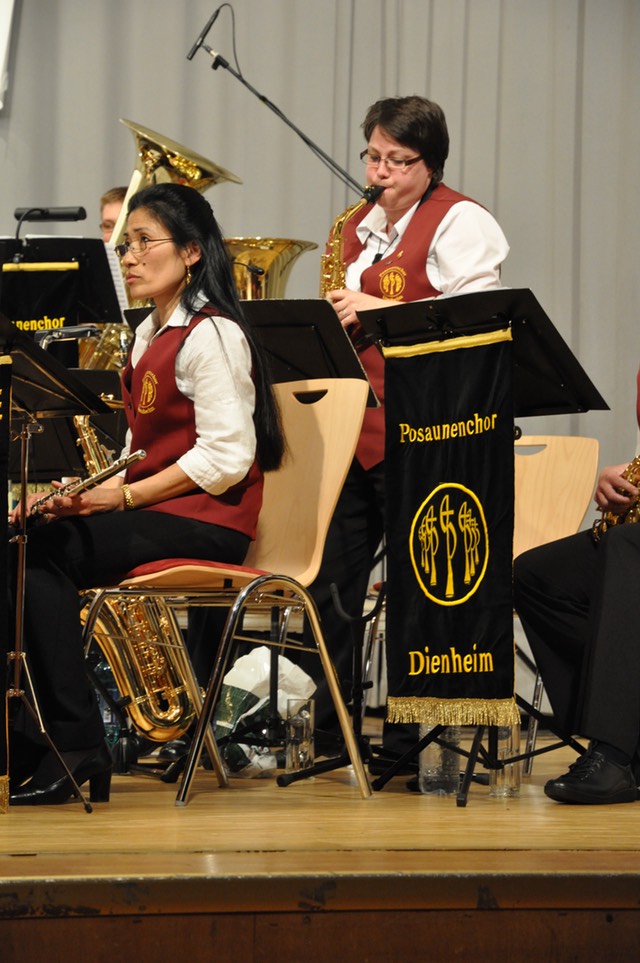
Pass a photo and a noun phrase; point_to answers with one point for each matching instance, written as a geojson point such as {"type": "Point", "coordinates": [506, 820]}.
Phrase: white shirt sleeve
{"type": "Point", "coordinates": [467, 250]}
{"type": "Point", "coordinates": [213, 369]}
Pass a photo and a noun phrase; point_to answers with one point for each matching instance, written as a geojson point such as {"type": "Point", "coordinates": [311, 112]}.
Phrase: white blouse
{"type": "Point", "coordinates": [465, 254]}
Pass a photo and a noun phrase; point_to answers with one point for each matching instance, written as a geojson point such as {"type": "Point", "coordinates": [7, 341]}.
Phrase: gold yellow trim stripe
{"type": "Point", "coordinates": [42, 266]}
{"type": "Point", "coordinates": [451, 344]}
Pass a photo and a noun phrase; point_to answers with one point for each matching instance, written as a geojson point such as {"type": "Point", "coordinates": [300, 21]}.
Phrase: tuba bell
{"type": "Point", "coordinates": [261, 265]}
{"type": "Point", "coordinates": [160, 160]}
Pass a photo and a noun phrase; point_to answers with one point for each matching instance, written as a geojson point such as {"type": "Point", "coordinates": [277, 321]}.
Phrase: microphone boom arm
{"type": "Point", "coordinates": [219, 61]}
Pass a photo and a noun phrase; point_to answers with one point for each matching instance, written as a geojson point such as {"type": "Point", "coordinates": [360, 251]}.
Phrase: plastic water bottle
{"type": "Point", "coordinates": [109, 716]}
{"type": "Point", "coordinates": [505, 782]}
{"type": "Point", "coordinates": [439, 766]}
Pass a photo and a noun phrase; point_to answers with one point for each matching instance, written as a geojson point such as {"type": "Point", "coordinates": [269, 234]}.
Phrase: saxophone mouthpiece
{"type": "Point", "coordinates": [372, 192]}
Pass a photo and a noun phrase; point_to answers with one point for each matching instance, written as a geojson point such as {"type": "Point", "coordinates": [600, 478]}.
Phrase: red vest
{"type": "Point", "coordinates": [162, 422]}
{"type": "Point", "coordinates": [401, 276]}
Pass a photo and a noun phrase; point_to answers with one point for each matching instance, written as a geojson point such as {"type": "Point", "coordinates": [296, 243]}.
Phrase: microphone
{"type": "Point", "coordinates": [202, 37]}
{"type": "Point", "coordinates": [22, 214]}
{"type": "Point", "coordinates": [377, 257]}
{"type": "Point", "coordinates": [252, 268]}
{"type": "Point", "coordinates": [50, 214]}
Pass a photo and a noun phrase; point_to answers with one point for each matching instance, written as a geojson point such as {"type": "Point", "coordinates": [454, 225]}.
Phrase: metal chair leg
{"type": "Point", "coordinates": [532, 728]}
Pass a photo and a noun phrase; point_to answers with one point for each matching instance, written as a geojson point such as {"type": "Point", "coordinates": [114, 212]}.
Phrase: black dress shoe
{"type": "Point", "coordinates": [176, 749]}
{"type": "Point", "coordinates": [50, 784]}
{"type": "Point", "coordinates": [593, 779]}
{"type": "Point", "coordinates": [24, 758]}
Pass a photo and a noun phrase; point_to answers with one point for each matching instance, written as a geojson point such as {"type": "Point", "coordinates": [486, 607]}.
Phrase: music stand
{"type": "Point", "coordinates": [100, 297]}
{"type": "Point", "coordinates": [547, 379]}
{"type": "Point", "coordinates": [41, 388]}
{"type": "Point", "coordinates": [55, 451]}
{"type": "Point", "coordinates": [304, 339]}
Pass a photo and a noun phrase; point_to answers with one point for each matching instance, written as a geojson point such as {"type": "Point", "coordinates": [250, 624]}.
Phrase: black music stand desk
{"type": "Point", "coordinates": [303, 340]}
{"type": "Point", "coordinates": [547, 377]}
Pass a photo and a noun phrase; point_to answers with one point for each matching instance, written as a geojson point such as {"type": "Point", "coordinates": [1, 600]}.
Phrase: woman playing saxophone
{"type": "Point", "coordinates": [199, 403]}
{"type": "Point", "coordinates": [418, 239]}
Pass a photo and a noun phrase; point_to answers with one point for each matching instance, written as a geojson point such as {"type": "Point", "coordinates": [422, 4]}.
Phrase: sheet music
{"type": "Point", "coordinates": [118, 280]}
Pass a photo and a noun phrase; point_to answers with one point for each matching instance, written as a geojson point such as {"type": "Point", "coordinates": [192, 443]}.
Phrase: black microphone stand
{"type": "Point", "coordinates": [219, 61]}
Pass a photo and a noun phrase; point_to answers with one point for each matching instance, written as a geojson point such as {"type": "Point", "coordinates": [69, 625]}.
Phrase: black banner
{"type": "Point", "coordinates": [449, 475]}
{"type": "Point", "coordinates": [40, 296]}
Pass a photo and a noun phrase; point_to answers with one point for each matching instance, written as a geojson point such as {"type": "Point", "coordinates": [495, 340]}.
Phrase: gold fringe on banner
{"type": "Point", "coordinates": [453, 712]}
{"type": "Point", "coordinates": [4, 794]}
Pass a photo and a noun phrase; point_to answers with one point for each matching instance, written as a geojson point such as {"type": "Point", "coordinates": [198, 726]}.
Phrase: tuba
{"type": "Point", "coordinates": [160, 160]}
{"type": "Point", "coordinates": [332, 277]}
{"type": "Point", "coordinates": [629, 515]}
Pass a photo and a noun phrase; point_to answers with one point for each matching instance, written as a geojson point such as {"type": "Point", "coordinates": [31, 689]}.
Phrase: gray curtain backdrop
{"type": "Point", "coordinates": [541, 98]}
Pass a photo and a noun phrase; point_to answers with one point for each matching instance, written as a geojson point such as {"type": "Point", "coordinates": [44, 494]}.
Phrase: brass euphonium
{"type": "Point", "coordinates": [332, 276]}
{"type": "Point", "coordinates": [141, 640]}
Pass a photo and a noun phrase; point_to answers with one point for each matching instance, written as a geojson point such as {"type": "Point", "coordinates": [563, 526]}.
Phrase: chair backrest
{"type": "Point", "coordinates": [321, 420]}
{"type": "Point", "coordinates": [555, 477]}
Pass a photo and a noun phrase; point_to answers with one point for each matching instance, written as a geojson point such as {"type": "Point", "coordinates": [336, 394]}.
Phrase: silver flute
{"type": "Point", "coordinates": [75, 487]}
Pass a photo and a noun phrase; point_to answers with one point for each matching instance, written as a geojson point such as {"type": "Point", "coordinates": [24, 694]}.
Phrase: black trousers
{"type": "Point", "coordinates": [72, 554]}
{"type": "Point", "coordinates": [354, 536]}
{"type": "Point", "coordinates": [579, 604]}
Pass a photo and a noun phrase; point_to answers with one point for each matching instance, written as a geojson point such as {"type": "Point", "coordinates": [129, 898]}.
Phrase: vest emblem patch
{"type": "Point", "coordinates": [392, 282]}
{"type": "Point", "coordinates": [148, 393]}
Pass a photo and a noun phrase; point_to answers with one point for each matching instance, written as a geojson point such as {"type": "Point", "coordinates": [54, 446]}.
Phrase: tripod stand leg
{"type": "Point", "coordinates": [465, 782]}
{"type": "Point", "coordinates": [401, 763]}
{"type": "Point", "coordinates": [34, 712]}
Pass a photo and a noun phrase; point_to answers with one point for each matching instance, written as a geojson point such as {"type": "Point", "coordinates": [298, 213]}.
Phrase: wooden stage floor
{"type": "Point", "coordinates": [312, 871]}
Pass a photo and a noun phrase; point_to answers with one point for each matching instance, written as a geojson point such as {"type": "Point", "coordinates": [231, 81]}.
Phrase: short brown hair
{"type": "Point", "coordinates": [415, 122]}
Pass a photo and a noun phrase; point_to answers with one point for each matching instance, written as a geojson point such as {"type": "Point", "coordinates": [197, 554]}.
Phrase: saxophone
{"type": "Point", "coordinates": [140, 638]}
{"type": "Point", "coordinates": [332, 267]}
{"type": "Point", "coordinates": [631, 514]}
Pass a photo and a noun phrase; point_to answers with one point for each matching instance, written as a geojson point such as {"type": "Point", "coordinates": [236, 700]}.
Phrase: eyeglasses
{"type": "Point", "coordinates": [139, 246]}
{"type": "Point", "coordinates": [393, 163]}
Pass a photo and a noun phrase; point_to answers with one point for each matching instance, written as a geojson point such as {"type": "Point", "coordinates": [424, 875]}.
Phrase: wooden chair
{"type": "Point", "coordinates": [321, 420]}
{"type": "Point", "coordinates": [554, 482]}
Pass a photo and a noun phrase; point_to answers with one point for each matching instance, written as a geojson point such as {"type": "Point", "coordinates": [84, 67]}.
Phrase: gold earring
{"type": "Point", "coordinates": [188, 277]}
